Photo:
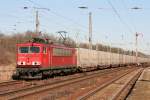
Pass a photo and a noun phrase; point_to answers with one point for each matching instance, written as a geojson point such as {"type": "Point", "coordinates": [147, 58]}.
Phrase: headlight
{"type": "Point", "coordinates": [35, 63]}
{"type": "Point", "coordinates": [21, 63]}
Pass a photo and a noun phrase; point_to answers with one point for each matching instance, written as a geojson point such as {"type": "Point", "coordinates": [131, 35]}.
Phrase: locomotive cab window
{"type": "Point", "coordinates": [34, 49]}
{"type": "Point", "coordinates": [23, 49]}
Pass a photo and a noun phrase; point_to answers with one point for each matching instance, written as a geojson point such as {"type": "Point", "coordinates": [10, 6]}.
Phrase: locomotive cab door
{"type": "Point", "coordinates": [45, 58]}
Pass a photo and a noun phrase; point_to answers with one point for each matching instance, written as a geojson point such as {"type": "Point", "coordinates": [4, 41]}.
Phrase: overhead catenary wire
{"type": "Point", "coordinates": [64, 17]}
{"type": "Point", "coordinates": [60, 24]}
{"type": "Point", "coordinates": [64, 27]}
{"type": "Point", "coordinates": [132, 20]}
{"type": "Point", "coordinates": [119, 17]}
{"type": "Point", "coordinates": [59, 15]}
{"type": "Point", "coordinates": [130, 17]}
{"type": "Point", "coordinates": [84, 28]}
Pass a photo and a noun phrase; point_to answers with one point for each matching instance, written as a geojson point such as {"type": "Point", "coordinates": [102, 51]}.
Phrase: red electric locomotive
{"type": "Point", "coordinates": [40, 59]}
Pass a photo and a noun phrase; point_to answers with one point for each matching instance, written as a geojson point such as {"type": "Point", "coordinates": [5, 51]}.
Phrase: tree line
{"type": "Point", "coordinates": [8, 45]}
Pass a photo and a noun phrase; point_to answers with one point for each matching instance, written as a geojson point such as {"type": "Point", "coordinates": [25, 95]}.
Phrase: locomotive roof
{"type": "Point", "coordinates": [43, 44]}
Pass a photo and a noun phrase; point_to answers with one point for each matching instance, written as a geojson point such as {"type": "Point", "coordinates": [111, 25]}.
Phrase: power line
{"type": "Point", "coordinates": [59, 15]}
{"type": "Point", "coordinates": [56, 23]}
{"type": "Point", "coordinates": [84, 28]}
{"type": "Point", "coordinates": [118, 15]}
{"type": "Point", "coordinates": [131, 21]}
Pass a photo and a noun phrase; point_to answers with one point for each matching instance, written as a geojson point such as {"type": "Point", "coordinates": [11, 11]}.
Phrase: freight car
{"type": "Point", "coordinates": [40, 59]}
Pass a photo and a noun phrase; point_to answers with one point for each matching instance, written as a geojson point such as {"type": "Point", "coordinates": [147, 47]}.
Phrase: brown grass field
{"type": "Point", "coordinates": [6, 72]}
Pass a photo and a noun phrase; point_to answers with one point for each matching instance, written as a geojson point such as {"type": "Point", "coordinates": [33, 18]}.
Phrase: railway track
{"type": "Point", "coordinates": [29, 91]}
{"type": "Point", "coordinates": [18, 93]}
{"type": "Point", "coordinates": [8, 83]}
{"type": "Point", "coordinates": [12, 85]}
{"type": "Point", "coordinates": [116, 89]}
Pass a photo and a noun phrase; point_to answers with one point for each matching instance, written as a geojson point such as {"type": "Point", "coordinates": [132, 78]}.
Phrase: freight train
{"type": "Point", "coordinates": [40, 59]}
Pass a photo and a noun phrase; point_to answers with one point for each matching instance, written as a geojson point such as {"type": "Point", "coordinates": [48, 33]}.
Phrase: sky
{"type": "Point", "coordinates": [113, 21]}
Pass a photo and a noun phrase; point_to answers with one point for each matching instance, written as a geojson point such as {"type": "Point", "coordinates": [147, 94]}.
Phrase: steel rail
{"type": "Point", "coordinates": [39, 88]}
{"type": "Point", "coordinates": [9, 83]}
{"type": "Point", "coordinates": [122, 93]}
{"type": "Point", "coordinates": [92, 92]}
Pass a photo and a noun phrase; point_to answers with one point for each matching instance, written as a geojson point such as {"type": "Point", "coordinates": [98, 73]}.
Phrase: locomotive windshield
{"type": "Point", "coordinates": [24, 49]}
{"type": "Point", "coordinates": [32, 49]}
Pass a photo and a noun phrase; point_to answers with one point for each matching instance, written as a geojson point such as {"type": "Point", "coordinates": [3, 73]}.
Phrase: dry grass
{"type": "Point", "coordinates": [6, 72]}
{"type": "Point", "coordinates": [6, 57]}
